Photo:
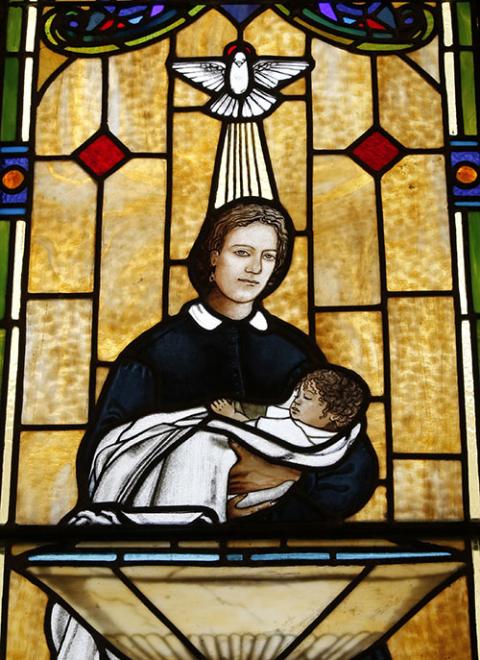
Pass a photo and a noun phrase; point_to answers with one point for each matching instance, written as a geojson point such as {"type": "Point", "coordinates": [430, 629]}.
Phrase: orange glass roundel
{"type": "Point", "coordinates": [466, 174]}
{"type": "Point", "coordinates": [13, 179]}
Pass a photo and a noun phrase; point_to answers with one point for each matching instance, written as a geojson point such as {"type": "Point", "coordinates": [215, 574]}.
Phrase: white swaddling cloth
{"type": "Point", "coordinates": [173, 468]}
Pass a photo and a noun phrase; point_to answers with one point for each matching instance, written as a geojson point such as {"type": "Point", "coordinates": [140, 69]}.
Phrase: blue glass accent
{"type": "Point", "coordinates": [172, 556]}
{"type": "Point", "coordinates": [461, 143]}
{"type": "Point", "coordinates": [14, 210]}
{"type": "Point", "coordinates": [13, 150]}
{"type": "Point", "coordinates": [360, 556]}
{"type": "Point", "coordinates": [472, 157]}
{"type": "Point", "coordinates": [234, 557]}
{"type": "Point", "coordinates": [288, 556]}
{"type": "Point", "coordinates": [240, 12]}
{"type": "Point", "coordinates": [468, 204]}
{"type": "Point", "coordinates": [64, 556]}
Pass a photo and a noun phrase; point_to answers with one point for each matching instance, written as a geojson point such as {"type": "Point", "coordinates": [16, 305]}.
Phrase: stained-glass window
{"type": "Point", "coordinates": [239, 301]}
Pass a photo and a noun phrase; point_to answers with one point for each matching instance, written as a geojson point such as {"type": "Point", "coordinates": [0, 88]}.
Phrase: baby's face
{"type": "Point", "coordinates": [308, 407]}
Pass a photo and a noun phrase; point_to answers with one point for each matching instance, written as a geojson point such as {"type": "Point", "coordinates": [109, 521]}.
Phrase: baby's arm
{"type": "Point", "coordinates": [227, 409]}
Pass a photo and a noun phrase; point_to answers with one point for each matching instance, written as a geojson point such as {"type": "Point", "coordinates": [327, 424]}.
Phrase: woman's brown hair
{"type": "Point", "coordinates": [239, 214]}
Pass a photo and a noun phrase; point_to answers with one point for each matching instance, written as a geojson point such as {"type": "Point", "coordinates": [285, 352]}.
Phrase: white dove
{"type": "Point", "coordinates": [240, 81]}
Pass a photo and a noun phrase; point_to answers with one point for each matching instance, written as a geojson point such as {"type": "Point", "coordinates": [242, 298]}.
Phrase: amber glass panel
{"type": "Point", "coordinates": [290, 301]}
{"type": "Point", "coordinates": [195, 140]}
{"type": "Point", "coordinates": [49, 61]}
{"type": "Point", "coordinates": [342, 96]}
{"type": "Point", "coordinates": [354, 340]}
{"type": "Point", "coordinates": [26, 612]}
{"type": "Point", "coordinates": [439, 630]}
{"type": "Point", "coordinates": [62, 238]}
{"type": "Point", "coordinates": [376, 433]}
{"type": "Point", "coordinates": [207, 36]}
{"type": "Point", "coordinates": [270, 35]}
{"type": "Point", "coordinates": [417, 239]}
{"type": "Point", "coordinates": [137, 104]}
{"type": "Point", "coordinates": [132, 254]}
{"type": "Point", "coordinates": [69, 112]}
{"type": "Point", "coordinates": [102, 373]}
{"type": "Point", "coordinates": [428, 490]}
{"type": "Point", "coordinates": [181, 289]}
{"type": "Point", "coordinates": [427, 58]}
{"type": "Point", "coordinates": [410, 108]}
{"type": "Point", "coordinates": [46, 476]}
{"type": "Point", "coordinates": [185, 95]}
{"type": "Point", "coordinates": [423, 375]}
{"type": "Point", "coordinates": [286, 137]}
{"type": "Point", "coordinates": [57, 362]}
{"type": "Point", "coordinates": [346, 268]}
{"type": "Point", "coordinates": [375, 509]}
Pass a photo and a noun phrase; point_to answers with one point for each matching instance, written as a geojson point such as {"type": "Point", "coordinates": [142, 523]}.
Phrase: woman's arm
{"type": "Point", "coordinates": [128, 393]}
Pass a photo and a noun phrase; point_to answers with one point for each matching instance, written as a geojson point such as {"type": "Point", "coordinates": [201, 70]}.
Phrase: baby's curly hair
{"type": "Point", "coordinates": [344, 392]}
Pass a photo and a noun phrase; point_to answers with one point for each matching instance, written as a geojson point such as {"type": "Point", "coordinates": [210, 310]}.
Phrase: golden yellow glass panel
{"type": "Point", "coordinates": [49, 61]}
{"type": "Point", "coordinates": [410, 108]}
{"type": "Point", "coordinates": [195, 140]}
{"type": "Point", "coordinates": [423, 375]}
{"type": "Point", "coordinates": [181, 289]}
{"type": "Point", "coordinates": [241, 600]}
{"type": "Point", "coordinates": [208, 35]}
{"type": "Point", "coordinates": [417, 239]}
{"type": "Point", "coordinates": [439, 630]}
{"type": "Point", "coordinates": [108, 605]}
{"type": "Point", "coordinates": [376, 433]}
{"type": "Point", "coordinates": [102, 373]}
{"type": "Point", "coordinates": [290, 300]}
{"type": "Point", "coordinates": [427, 58]}
{"type": "Point", "coordinates": [137, 104]}
{"type": "Point", "coordinates": [186, 95]}
{"type": "Point", "coordinates": [375, 509]}
{"type": "Point", "coordinates": [62, 238]}
{"type": "Point", "coordinates": [346, 266]}
{"type": "Point", "coordinates": [382, 598]}
{"type": "Point", "coordinates": [428, 489]}
{"type": "Point", "coordinates": [354, 340]}
{"type": "Point", "coordinates": [75, 96]}
{"type": "Point", "coordinates": [341, 95]}
{"type": "Point", "coordinates": [286, 137]}
{"type": "Point", "coordinates": [132, 254]}
{"type": "Point", "coordinates": [46, 488]}
{"type": "Point", "coordinates": [297, 87]}
{"type": "Point", "coordinates": [26, 611]}
{"type": "Point", "coordinates": [271, 35]}
{"type": "Point", "coordinates": [57, 362]}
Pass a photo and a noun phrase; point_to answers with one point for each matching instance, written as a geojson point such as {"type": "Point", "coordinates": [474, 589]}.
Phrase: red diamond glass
{"type": "Point", "coordinates": [376, 151]}
{"type": "Point", "coordinates": [101, 155]}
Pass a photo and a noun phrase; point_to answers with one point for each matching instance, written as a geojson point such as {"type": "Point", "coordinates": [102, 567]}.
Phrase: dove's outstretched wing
{"type": "Point", "coordinates": [209, 74]}
{"type": "Point", "coordinates": [274, 73]}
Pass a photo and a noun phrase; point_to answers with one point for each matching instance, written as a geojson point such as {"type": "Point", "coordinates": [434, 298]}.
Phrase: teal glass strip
{"type": "Point", "coordinates": [464, 21]}
{"type": "Point", "coordinates": [8, 130]}
{"type": "Point", "coordinates": [14, 29]}
{"type": "Point", "coordinates": [469, 106]}
{"type": "Point", "coordinates": [474, 242]}
{"type": "Point", "coordinates": [4, 251]}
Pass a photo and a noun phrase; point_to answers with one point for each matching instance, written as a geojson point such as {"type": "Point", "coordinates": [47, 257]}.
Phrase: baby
{"type": "Point", "coordinates": [325, 402]}
{"type": "Point", "coordinates": [325, 406]}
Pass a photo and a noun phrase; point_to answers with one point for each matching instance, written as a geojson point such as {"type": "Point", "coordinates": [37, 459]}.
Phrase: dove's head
{"type": "Point", "coordinates": [239, 58]}
{"type": "Point", "coordinates": [239, 52]}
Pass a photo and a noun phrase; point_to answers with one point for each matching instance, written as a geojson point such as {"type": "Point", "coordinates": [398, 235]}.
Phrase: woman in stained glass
{"type": "Point", "coordinates": [226, 346]}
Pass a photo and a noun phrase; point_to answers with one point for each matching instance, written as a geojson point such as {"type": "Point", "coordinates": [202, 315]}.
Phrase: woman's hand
{"type": "Point", "coordinates": [233, 511]}
{"type": "Point", "coordinates": [223, 407]}
{"type": "Point", "coordinates": [252, 472]}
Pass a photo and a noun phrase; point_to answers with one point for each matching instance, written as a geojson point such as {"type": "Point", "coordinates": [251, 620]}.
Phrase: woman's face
{"type": "Point", "coordinates": [246, 262]}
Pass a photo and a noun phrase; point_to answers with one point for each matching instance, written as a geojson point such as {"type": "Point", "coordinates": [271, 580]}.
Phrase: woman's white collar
{"type": "Point", "coordinates": [208, 321]}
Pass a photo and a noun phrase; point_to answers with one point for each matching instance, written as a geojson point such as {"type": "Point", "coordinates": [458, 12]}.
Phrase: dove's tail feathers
{"type": "Point", "coordinates": [257, 103]}
{"type": "Point", "coordinates": [225, 106]}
